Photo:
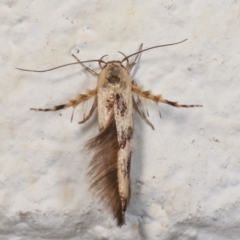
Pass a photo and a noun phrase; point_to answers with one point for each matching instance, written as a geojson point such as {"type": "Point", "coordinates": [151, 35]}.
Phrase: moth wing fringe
{"type": "Point", "coordinates": [103, 170]}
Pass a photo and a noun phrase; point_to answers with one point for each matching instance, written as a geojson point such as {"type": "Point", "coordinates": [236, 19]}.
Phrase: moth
{"type": "Point", "coordinates": [116, 96]}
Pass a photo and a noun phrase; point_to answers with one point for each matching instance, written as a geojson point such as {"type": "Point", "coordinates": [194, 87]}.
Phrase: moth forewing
{"type": "Point", "coordinates": [123, 114]}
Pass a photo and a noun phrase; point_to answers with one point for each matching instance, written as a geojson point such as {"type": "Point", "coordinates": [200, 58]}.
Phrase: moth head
{"type": "Point", "coordinates": [114, 72]}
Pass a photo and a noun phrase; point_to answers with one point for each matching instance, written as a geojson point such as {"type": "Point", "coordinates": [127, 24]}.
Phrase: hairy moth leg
{"type": "Point", "coordinates": [137, 106]}
{"type": "Point", "coordinates": [140, 102]}
{"type": "Point", "coordinates": [72, 103]}
{"type": "Point", "coordinates": [94, 106]}
{"type": "Point", "coordinates": [141, 108]}
{"type": "Point", "coordinates": [158, 98]}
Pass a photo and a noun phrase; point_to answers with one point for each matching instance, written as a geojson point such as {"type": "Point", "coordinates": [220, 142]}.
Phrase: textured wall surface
{"type": "Point", "coordinates": [185, 174]}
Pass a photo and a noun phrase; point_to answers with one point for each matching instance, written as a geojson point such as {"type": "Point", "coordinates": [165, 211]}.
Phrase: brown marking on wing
{"type": "Point", "coordinates": [124, 203]}
{"type": "Point", "coordinates": [127, 162]}
{"type": "Point", "coordinates": [121, 104]}
{"type": "Point", "coordinates": [110, 103]}
{"type": "Point", "coordinates": [125, 136]}
{"type": "Point", "coordinates": [129, 133]}
{"type": "Point", "coordinates": [122, 167]}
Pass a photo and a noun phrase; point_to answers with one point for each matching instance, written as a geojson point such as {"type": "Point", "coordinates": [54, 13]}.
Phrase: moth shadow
{"type": "Point", "coordinates": [137, 204]}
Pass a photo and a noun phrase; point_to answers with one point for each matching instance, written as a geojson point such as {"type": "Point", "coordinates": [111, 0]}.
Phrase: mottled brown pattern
{"type": "Point", "coordinates": [127, 162]}
{"type": "Point", "coordinates": [123, 141]}
{"type": "Point", "coordinates": [121, 104]}
{"type": "Point", "coordinates": [110, 103]}
{"type": "Point", "coordinates": [125, 136]}
{"type": "Point", "coordinates": [123, 170]}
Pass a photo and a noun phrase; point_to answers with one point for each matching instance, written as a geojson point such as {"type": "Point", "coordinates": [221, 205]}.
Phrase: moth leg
{"type": "Point", "coordinates": [131, 65]}
{"type": "Point", "coordinates": [158, 98]}
{"type": "Point", "coordinates": [72, 103]}
{"type": "Point", "coordinates": [85, 67]}
{"type": "Point", "coordinates": [139, 102]}
{"type": "Point", "coordinates": [85, 118]}
{"type": "Point", "coordinates": [141, 113]}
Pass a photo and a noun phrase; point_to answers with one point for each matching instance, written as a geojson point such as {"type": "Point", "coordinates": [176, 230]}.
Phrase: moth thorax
{"type": "Point", "coordinates": [113, 74]}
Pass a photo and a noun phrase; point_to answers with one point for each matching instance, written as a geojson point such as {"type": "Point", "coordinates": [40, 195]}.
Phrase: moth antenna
{"type": "Point", "coordinates": [50, 69]}
{"type": "Point", "coordinates": [101, 60]}
{"type": "Point", "coordinates": [125, 57]}
{"type": "Point", "coordinates": [164, 45]}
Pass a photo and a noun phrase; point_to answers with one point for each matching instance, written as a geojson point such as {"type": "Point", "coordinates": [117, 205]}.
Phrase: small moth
{"type": "Point", "coordinates": [116, 96]}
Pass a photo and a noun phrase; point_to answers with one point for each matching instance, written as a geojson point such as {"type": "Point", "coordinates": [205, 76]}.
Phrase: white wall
{"type": "Point", "coordinates": [185, 174]}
